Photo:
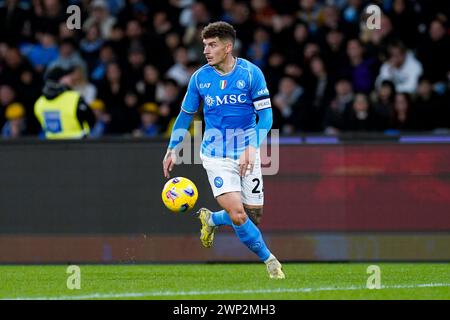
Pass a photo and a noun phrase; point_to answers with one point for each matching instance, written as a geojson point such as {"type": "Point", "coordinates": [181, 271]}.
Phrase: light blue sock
{"type": "Point", "coordinates": [221, 218]}
{"type": "Point", "coordinates": [249, 234]}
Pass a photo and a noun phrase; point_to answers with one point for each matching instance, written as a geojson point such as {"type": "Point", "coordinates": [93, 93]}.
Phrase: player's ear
{"type": "Point", "coordinates": [229, 46]}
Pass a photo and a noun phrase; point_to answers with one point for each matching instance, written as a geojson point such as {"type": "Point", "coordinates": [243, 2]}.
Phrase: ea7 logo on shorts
{"type": "Point", "coordinates": [218, 182]}
{"type": "Point", "coordinates": [205, 85]}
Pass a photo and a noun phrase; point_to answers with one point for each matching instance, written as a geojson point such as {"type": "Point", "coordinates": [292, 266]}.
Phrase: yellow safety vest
{"type": "Point", "coordinates": [58, 116]}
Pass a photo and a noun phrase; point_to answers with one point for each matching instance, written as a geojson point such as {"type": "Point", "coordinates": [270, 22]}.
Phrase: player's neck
{"type": "Point", "coordinates": [227, 65]}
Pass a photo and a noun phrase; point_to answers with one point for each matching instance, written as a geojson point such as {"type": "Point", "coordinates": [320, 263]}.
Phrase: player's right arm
{"type": "Point", "coordinates": [189, 107]}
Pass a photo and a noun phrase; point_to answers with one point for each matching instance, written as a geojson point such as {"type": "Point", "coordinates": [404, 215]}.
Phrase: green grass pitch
{"type": "Point", "coordinates": [227, 281]}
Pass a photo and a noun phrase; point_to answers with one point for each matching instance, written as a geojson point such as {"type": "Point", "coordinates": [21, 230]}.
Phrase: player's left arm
{"type": "Point", "coordinates": [261, 102]}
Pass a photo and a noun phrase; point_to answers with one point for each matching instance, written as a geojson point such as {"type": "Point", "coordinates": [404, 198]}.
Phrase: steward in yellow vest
{"type": "Point", "coordinates": [62, 112]}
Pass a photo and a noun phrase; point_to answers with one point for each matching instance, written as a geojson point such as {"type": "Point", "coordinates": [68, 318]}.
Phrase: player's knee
{"type": "Point", "coordinates": [238, 216]}
{"type": "Point", "coordinates": [255, 214]}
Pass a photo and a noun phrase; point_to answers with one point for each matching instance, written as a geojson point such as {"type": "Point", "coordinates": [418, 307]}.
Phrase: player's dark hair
{"type": "Point", "coordinates": [220, 29]}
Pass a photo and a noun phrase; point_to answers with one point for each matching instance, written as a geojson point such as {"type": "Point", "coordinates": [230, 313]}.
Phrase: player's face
{"type": "Point", "coordinates": [216, 50]}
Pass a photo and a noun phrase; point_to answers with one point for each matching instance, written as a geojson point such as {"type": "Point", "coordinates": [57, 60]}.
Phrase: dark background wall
{"type": "Point", "coordinates": [89, 187]}
{"type": "Point", "coordinates": [100, 201]}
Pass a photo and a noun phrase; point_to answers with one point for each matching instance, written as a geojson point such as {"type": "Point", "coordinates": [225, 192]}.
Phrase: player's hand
{"type": "Point", "coordinates": [169, 161]}
{"type": "Point", "coordinates": [247, 161]}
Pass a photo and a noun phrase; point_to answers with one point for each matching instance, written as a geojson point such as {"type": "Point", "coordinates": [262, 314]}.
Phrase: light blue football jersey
{"type": "Point", "coordinates": [230, 102]}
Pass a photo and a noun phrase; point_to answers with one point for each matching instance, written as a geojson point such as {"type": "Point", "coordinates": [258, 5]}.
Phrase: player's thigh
{"type": "Point", "coordinates": [252, 186]}
{"type": "Point", "coordinates": [223, 175]}
{"type": "Point", "coordinates": [231, 202]}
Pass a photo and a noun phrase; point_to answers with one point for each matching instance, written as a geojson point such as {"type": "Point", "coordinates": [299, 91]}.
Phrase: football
{"type": "Point", "coordinates": [179, 194]}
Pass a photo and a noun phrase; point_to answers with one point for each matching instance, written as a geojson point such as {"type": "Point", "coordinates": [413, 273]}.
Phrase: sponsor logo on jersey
{"type": "Point", "coordinates": [240, 84]}
{"type": "Point", "coordinates": [231, 98]}
{"type": "Point", "coordinates": [223, 84]}
{"type": "Point", "coordinates": [209, 101]}
{"type": "Point", "coordinates": [264, 91]}
{"type": "Point", "coordinates": [225, 99]}
{"type": "Point", "coordinates": [205, 85]}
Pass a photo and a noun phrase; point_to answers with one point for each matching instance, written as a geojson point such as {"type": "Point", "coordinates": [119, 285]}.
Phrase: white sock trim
{"type": "Point", "coordinates": [270, 258]}
{"type": "Point", "coordinates": [211, 221]}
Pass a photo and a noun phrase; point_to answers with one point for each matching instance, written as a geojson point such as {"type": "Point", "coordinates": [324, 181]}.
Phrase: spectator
{"type": "Point", "coordinates": [112, 91]}
{"type": "Point", "coordinates": [334, 51]}
{"type": "Point", "coordinates": [90, 45]}
{"type": "Point", "coordinates": [300, 37]}
{"type": "Point", "coordinates": [150, 88]}
{"type": "Point", "coordinates": [259, 48]}
{"type": "Point", "coordinates": [434, 52]}
{"type": "Point", "coordinates": [360, 116]}
{"type": "Point", "coordinates": [339, 107]}
{"type": "Point", "coordinates": [7, 97]}
{"type": "Point", "coordinates": [402, 68]}
{"type": "Point", "coordinates": [15, 22]}
{"type": "Point", "coordinates": [383, 104]}
{"type": "Point", "coordinates": [102, 119]}
{"type": "Point", "coordinates": [227, 10]}
{"type": "Point", "coordinates": [402, 119]}
{"type": "Point", "coordinates": [99, 15]}
{"type": "Point", "coordinates": [15, 69]}
{"type": "Point", "coordinates": [43, 53]}
{"type": "Point", "coordinates": [263, 13]}
{"type": "Point", "coordinates": [359, 68]}
{"type": "Point", "coordinates": [48, 14]}
{"type": "Point", "coordinates": [69, 56]}
{"type": "Point", "coordinates": [404, 22]}
{"type": "Point", "coordinates": [179, 71]}
{"type": "Point", "coordinates": [194, 15]}
{"type": "Point", "coordinates": [169, 104]}
{"type": "Point", "coordinates": [15, 125]}
{"type": "Point", "coordinates": [135, 65]}
{"type": "Point", "coordinates": [81, 85]}
{"type": "Point", "coordinates": [310, 12]}
{"type": "Point", "coordinates": [106, 56]}
{"type": "Point", "coordinates": [377, 39]}
{"type": "Point", "coordinates": [138, 10]}
{"type": "Point", "coordinates": [428, 107]}
{"type": "Point", "coordinates": [319, 92]}
{"type": "Point", "coordinates": [274, 71]}
{"type": "Point", "coordinates": [286, 100]}
{"type": "Point", "coordinates": [149, 121]}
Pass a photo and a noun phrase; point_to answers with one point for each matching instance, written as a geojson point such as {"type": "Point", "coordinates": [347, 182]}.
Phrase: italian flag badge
{"type": "Point", "coordinates": [223, 84]}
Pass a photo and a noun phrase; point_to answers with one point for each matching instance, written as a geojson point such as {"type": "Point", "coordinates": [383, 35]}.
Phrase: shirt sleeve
{"type": "Point", "coordinates": [191, 100]}
{"type": "Point", "coordinates": [85, 114]}
{"type": "Point", "coordinates": [259, 92]}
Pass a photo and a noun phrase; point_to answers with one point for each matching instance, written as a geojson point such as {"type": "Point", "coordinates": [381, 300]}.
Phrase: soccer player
{"type": "Point", "coordinates": [233, 91]}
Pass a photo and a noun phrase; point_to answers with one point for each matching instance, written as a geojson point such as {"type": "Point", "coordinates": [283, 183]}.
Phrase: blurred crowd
{"type": "Point", "coordinates": [327, 72]}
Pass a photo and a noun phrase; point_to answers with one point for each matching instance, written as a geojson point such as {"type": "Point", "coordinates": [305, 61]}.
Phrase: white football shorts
{"type": "Point", "coordinates": [223, 176]}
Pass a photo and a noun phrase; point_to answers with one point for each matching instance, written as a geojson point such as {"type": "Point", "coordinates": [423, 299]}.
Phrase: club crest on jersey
{"type": "Point", "coordinates": [223, 84]}
{"type": "Point", "coordinates": [240, 84]}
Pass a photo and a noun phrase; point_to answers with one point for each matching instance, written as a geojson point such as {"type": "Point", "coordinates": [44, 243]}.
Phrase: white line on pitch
{"type": "Point", "coordinates": [220, 292]}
